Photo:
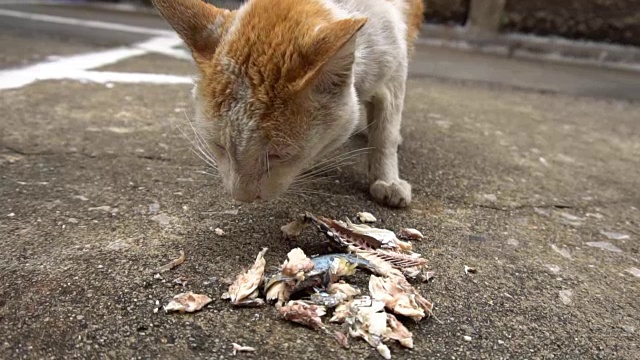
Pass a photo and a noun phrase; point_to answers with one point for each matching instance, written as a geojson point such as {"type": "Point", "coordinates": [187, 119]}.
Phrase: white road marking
{"type": "Point", "coordinates": [85, 23]}
{"type": "Point", "coordinates": [76, 67]}
{"type": "Point", "coordinates": [104, 77]}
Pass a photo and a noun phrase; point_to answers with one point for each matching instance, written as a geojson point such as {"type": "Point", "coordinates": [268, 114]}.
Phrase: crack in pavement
{"type": "Point", "coordinates": [83, 154]}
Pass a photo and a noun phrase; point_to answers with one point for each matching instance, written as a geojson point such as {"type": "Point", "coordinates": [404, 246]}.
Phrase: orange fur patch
{"type": "Point", "coordinates": [278, 48]}
{"type": "Point", "coordinates": [415, 18]}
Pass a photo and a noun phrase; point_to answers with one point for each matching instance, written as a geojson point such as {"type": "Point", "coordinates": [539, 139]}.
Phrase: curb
{"type": "Point", "coordinates": [525, 46]}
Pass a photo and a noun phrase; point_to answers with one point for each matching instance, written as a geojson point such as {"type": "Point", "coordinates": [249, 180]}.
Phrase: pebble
{"type": "Point", "coordinates": [634, 271]}
{"type": "Point", "coordinates": [218, 231]}
{"type": "Point", "coordinates": [513, 242]}
{"type": "Point", "coordinates": [467, 338]}
{"type": "Point", "coordinates": [614, 235]}
{"type": "Point", "coordinates": [154, 208]}
{"type": "Point", "coordinates": [500, 342]}
{"type": "Point", "coordinates": [554, 269]}
{"type": "Point", "coordinates": [563, 252]}
{"type": "Point", "coordinates": [490, 197]}
{"type": "Point", "coordinates": [81, 198]}
{"type": "Point", "coordinates": [366, 217]}
{"type": "Point", "coordinates": [570, 219]}
{"type": "Point", "coordinates": [565, 296]}
{"type": "Point", "coordinates": [11, 215]}
{"type": "Point", "coordinates": [469, 270]}
{"type": "Point", "coordinates": [73, 220]}
{"type": "Point", "coordinates": [604, 245]}
{"type": "Point", "coordinates": [629, 329]}
{"type": "Point", "coordinates": [162, 219]}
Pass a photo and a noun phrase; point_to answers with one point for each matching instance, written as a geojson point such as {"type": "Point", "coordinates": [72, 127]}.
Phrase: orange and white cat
{"type": "Point", "coordinates": [282, 83]}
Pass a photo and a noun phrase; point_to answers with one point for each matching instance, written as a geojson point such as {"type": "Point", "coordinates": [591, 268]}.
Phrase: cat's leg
{"type": "Point", "coordinates": [384, 116]}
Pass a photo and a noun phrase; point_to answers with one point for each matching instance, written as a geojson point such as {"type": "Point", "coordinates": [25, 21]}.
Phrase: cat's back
{"type": "Point", "coordinates": [385, 42]}
{"type": "Point", "coordinates": [402, 16]}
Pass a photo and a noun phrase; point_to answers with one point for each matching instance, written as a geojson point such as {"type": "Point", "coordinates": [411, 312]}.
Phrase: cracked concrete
{"type": "Point", "coordinates": [99, 188]}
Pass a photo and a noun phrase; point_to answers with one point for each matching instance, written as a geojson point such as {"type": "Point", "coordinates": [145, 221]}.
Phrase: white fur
{"type": "Point", "coordinates": [380, 76]}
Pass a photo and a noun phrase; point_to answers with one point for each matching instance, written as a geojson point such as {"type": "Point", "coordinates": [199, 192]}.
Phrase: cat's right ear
{"type": "Point", "coordinates": [200, 25]}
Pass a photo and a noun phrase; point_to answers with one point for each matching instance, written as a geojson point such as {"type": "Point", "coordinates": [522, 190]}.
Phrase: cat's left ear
{"type": "Point", "coordinates": [333, 54]}
{"type": "Point", "coordinates": [200, 25]}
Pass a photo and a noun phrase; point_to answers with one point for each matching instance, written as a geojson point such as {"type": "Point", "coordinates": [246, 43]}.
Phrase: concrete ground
{"type": "Point", "coordinates": [529, 172]}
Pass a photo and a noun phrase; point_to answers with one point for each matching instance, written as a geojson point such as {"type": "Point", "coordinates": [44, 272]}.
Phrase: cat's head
{"type": "Point", "coordinates": [276, 86]}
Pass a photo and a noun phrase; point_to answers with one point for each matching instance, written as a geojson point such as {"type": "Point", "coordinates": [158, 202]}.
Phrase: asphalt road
{"type": "Point", "coordinates": [523, 170]}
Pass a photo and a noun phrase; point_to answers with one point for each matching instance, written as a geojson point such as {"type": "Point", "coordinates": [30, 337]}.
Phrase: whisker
{"type": "Point", "coordinates": [349, 153]}
{"type": "Point", "coordinates": [325, 170]}
{"type": "Point", "coordinates": [337, 163]}
{"type": "Point", "coordinates": [325, 179]}
{"type": "Point", "coordinates": [200, 138]}
{"type": "Point", "coordinates": [361, 130]}
{"type": "Point", "coordinates": [200, 152]}
{"type": "Point", "coordinates": [203, 159]}
{"type": "Point", "coordinates": [201, 143]}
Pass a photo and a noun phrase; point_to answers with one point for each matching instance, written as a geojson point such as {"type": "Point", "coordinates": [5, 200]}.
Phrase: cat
{"type": "Point", "coordinates": [281, 83]}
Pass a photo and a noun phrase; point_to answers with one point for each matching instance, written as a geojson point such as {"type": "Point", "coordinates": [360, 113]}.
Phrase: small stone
{"type": "Point", "coordinates": [231, 212]}
{"type": "Point", "coordinates": [563, 252]}
{"type": "Point", "coordinates": [467, 338]}
{"type": "Point", "coordinates": [615, 235]}
{"type": "Point", "coordinates": [218, 231]}
{"type": "Point", "coordinates": [565, 296]}
{"type": "Point", "coordinates": [81, 198]}
{"type": "Point", "coordinates": [554, 269]}
{"type": "Point", "coordinates": [467, 329]}
{"type": "Point", "coordinates": [157, 277]}
{"type": "Point", "coordinates": [154, 208]}
{"type": "Point", "coordinates": [628, 328]}
{"type": "Point", "coordinates": [634, 271]}
{"type": "Point", "coordinates": [163, 219]}
{"type": "Point", "coordinates": [490, 197]}
{"type": "Point", "coordinates": [469, 270]}
{"type": "Point", "coordinates": [410, 234]}
{"type": "Point", "coordinates": [11, 215]}
{"type": "Point", "coordinates": [366, 217]}
{"type": "Point", "coordinates": [500, 342]}
{"type": "Point", "coordinates": [570, 217]}
{"type": "Point", "coordinates": [604, 245]}
{"type": "Point", "coordinates": [513, 242]}
{"type": "Point", "coordinates": [211, 281]}
{"type": "Point", "coordinates": [73, 220]}
{"type": "Point", "coordinates": [79, 317]}
{"type": "Point", "coordinates": [542, 212]}
{"type": "Point", "coordinates": [595, 215]}
{"type": "Point", "coordinates": [118, 245]}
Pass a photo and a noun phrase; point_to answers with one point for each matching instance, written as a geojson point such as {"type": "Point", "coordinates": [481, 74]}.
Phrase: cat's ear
{"type": "Point", "coordinates": [333, 47]}
{"type": "Point", "coordinates": [200, 25]}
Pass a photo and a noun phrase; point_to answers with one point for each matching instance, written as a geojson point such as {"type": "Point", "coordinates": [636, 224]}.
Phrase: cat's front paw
{"type": "Point", "coordinates": [396, 193]}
